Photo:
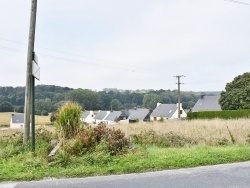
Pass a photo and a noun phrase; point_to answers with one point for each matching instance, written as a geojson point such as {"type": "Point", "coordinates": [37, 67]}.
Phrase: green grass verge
{"type": "Point", "coordinates": [17, 163]}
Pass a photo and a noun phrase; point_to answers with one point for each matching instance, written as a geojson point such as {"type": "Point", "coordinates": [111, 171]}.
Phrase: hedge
{"type": "Point", "coordinates": [224, 114]}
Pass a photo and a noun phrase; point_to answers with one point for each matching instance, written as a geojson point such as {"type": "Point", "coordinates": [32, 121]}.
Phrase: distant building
{"type": "Point", "coordinates": [100, 117]}
{"type": "Point", "coordinates": [167, 111]}
{"type": "Point", "coordinates": [114, 117]}
{"type": "Point", "coordinates": [88, 117]}
{"type": "Point", "coordinates": [16, 121]}
{"type": "Point", "coordinates": [139, 114]}
{"type": "Point", "coordinates": [207, 103]}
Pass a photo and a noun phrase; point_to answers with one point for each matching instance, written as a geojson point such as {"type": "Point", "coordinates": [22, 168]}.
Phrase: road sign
{"type": "Point", "coordinates": [35, 70]}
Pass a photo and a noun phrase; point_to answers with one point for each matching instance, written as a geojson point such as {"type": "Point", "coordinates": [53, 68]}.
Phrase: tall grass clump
{"type": "Point", "coordinates": [68, 120]}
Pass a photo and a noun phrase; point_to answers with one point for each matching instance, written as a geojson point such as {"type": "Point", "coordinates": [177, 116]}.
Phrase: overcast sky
{"type": "Point", "coordinates": [127, 44]}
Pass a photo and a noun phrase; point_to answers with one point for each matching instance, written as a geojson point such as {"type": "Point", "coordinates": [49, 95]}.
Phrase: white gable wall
{"type": "Point", "coordinates": [89, 118]}
{"type": "Point", "coordinates": [16, 125]}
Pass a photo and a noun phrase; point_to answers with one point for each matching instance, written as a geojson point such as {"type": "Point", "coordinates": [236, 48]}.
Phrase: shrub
{"type": "Point", "coordinates": [68, 119]}
{"type": "Point", "coordinates": [99, 138]}
{"type": "Point", "coordinates": [44, 113]}
{"type": "Point", "coordinates": [114, 138]}
{"type": "Point", "coordinates": [223, 142]}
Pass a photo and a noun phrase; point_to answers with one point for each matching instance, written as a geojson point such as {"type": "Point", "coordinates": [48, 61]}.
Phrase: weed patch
{"type": "Point", "coordinates": [163, 140]}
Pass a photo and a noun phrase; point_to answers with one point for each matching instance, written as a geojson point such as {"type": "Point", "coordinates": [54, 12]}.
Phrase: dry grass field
{"type": "Point", "coordinates": [39, 120]}
{"type": "Point", "coordinates": [203, 131]}
{"type": "Point", "coordinates": [207, 132]}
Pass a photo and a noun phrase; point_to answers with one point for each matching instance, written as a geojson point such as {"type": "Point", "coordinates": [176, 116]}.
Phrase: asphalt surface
{"type": "Point", "coordinates": [218, 176]}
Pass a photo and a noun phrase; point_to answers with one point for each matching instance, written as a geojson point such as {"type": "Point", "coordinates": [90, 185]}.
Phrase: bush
{"type": "Point", "coordinates": [44, 113]}
{"type": "Point", "coordinates": [68, 120]}
{"type": "Point", "coordinates": [99, 138]}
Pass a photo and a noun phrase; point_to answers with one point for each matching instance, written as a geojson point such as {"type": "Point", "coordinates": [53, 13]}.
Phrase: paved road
{"type": "Point", "coordinates": [218, 176]}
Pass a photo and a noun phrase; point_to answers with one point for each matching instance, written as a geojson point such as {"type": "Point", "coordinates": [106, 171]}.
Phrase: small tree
{"type": "Point", "coordinates": [68, 119]}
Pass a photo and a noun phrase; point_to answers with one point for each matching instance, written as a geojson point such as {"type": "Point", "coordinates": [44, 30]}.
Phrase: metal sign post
{"type": "Point", "coordinates": [35, 74]}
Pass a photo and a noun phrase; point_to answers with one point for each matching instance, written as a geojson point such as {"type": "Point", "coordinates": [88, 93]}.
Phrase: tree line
{"type": "Point", "coordinates": [49, 98]}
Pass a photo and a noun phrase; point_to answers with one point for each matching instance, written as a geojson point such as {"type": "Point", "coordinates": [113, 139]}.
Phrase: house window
{"type": "Point", "coordinates": [180, 111]}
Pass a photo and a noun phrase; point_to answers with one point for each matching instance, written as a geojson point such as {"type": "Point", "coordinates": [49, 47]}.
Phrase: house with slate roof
{"type": "Point", "coordinates": [207, 103]}
{"type": "Point", "coordinates": [167, 111]}
{"type": "Point", "coordinates": [88, 117]}
{"type": "Point", "coordinates": [140, 114]}
{"type": "Point", "coordinates": [100, 117]}
{"type": "Point", "coordinates": [114, 117]}
{"type": "Point", "coordinates": [16, 121]}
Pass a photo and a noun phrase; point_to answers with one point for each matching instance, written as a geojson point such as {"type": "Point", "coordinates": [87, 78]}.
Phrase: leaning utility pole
{"type": "Point", "coordinates": [29, 77]}
{"type": "Point", "coordinates": [179, 94]}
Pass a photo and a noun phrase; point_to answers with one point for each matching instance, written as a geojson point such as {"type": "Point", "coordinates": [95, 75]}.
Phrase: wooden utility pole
{"type": "Point", "coordinates": [179, 94]}
{"type": "Point", "coordinates": [29, 77]}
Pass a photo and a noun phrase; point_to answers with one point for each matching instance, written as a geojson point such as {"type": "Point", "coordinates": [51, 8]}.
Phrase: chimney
{"type": "Point", "coordinates": [158, 104]}
{"type": "Point", "coordinates": [202, 95]}
{"type": "Point", "coordinates": [180, 105]}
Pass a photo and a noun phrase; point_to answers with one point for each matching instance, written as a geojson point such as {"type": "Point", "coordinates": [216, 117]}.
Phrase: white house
{"type": "Point", "coordinates": [113, 117]}
{"type": "Point", "coordinates": [100, 117]}
{"type": "Point", "coordinates": [167, 111]}
{"type": "Point", "coordinates": [16, 121]}
{"type": "Point", "coordinates": [88, 117]}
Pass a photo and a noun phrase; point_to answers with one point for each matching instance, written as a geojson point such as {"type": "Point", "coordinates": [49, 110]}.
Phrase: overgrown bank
{"type": "Point", "coordinates": [101, 150]}
{"type": "Point", "coordinates": [18, 163]}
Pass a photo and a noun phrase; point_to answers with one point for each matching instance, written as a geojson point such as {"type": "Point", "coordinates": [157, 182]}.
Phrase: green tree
{"type": "Point", "coordinates": [150, 100]}
{"type": "Point", "coordinates": [115, 104]}
{"type": "Point", "coordinates": [19, 109]}
{"type": "Point", "coordinates": [89, 100]}
{"type": "Point", "coordinates": [6, 107]}
{"type": "Point", "coordinates": [237, 94]}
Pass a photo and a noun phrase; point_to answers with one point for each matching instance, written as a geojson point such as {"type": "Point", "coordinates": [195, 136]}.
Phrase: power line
{"type": "Point", "coordinates": [90, 62]}
{"type": "Point", "coordinates": [90, 58]}
{"type": "Point", "coordinates": [238, 2]}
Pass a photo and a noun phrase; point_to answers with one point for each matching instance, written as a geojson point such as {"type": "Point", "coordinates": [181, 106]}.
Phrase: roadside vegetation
{"type": "Point", "coordinates": [102, 150]}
